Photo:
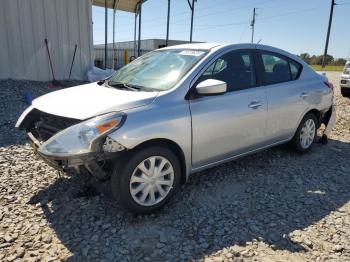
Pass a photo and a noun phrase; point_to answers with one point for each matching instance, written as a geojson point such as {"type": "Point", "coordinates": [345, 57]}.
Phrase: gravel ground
{"type": "Point", "coordinates": [271, 206]}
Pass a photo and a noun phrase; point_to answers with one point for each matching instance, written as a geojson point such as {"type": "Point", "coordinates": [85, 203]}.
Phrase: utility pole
{"type": "Point", "coordinates": [328, 33]}
{"type": "Point", "coordinates": [192, 14]}
{"type": "Point", "coordinates": [167, 25]}
{"type": "Point", "coordinates": [252, 24]}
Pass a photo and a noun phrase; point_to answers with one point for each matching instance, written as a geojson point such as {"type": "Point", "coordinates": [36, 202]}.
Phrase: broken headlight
{"type": "Point", "coordinates": [83, 137]}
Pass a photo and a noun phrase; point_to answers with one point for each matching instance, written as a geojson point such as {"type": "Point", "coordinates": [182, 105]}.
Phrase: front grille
{"type": "Point", "coordinates": [44, 125]}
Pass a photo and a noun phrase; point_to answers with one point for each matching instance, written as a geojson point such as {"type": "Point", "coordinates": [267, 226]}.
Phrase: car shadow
{"type": "Point", "coordinates": [263, 197]}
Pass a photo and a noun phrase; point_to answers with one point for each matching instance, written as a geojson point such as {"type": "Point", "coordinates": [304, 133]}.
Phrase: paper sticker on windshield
{"type": "Point", "coordinates": [191, 52]}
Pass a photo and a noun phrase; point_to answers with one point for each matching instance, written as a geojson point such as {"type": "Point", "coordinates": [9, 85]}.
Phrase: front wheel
{"type": "Point", "coordinates": [306, 133]}
{"type": "Point", "coordinates": [146, 179]}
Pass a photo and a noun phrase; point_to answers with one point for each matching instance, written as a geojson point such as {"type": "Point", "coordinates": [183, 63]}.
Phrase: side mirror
{"type": "Point", "coordinates": [211, 87]}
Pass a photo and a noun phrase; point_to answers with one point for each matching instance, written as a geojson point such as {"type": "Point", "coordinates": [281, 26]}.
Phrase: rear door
{"type": "Point", "coordinates": [233, 123]}
{"type": "Point", "coordinates": [286, 96]}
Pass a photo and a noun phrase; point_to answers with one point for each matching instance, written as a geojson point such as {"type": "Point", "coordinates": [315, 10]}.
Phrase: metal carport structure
{"type": "Point", "coordinates": [134, 6]}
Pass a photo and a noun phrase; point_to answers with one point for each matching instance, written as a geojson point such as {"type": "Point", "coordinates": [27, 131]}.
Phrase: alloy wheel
{"type": "Point", "coordinates": [307, 133]}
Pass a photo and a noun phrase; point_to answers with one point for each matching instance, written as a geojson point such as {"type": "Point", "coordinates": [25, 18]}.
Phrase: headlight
{"type": "Point", "coordinates": [82, 138]}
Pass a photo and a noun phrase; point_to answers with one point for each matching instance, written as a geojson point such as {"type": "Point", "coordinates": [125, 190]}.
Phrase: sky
{"type": "Point", "coordinates": [297, 26]}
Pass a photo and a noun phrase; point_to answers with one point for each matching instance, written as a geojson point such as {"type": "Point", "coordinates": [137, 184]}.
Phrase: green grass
{"type": "Point", "coordinates": [328, 68]}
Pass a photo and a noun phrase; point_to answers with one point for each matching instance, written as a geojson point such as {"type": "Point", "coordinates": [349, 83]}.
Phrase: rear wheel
{"type": "Point", "coordinates": [306, 133]}
{"type": "Point", "coordinates": [146, 180]}
{"type": "Point", "coordinates": [345, 92]}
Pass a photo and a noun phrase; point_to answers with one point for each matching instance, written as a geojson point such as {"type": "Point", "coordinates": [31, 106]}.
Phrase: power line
{"type": "Point", "coordinates": [234, 9]}
{"type": "Point", "coordinates": [245, 30]}
{"type": "Point", "coordinates": [215, 26]}
{"type": "Point", "coordinates": [211, 13]}
{"type": "Point", "coordinates": [179, 13]}
{"type": "Point", "coordinates": [291, 13]}
{"type": "Point", "coordinates": [208, 14]}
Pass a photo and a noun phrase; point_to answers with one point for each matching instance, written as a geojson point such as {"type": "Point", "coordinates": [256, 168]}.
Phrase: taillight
{"type": "Point", "coordinates": [329, 84]}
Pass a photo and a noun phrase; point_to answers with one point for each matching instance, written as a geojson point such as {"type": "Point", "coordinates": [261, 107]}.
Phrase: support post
{"type": "Point", "coordinates": [135, 27]}
{"type": "Point", "coordinates": [253, 25]}
{"type": "Point", "coordinates": [139, 40]}
{"type": "Point", "coordinates": [167, 25]}
{"type": "Point", "coordinates": [328, 34]}
{"type": "Point", "coordinates": [114, 6]}
{"type": "Point", "coordinates": [106, 31]}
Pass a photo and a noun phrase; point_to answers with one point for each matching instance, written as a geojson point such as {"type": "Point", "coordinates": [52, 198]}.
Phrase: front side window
{"type": "Point", "coordinates": [158, 70]}
{"type": "Point", "coordinates": [236, 68]}
{"type": "Point", "coordinates": [216, 67]}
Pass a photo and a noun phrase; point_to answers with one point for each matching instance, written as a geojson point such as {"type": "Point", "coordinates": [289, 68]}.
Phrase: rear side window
{"type": "Point", "coordinates": [278, 68]}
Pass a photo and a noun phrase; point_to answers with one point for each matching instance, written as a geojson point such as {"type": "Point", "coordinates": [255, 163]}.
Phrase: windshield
{"type": "Point", "coordinates": [158, 70]}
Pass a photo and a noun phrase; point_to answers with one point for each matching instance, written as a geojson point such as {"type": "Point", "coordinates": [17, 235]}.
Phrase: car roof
{"type": "Point", "coordinates": [220, 46]}
{"type": "Point", "coordinates": [201, 46]}
{"type": "Point", "coordinates": [209, 46]}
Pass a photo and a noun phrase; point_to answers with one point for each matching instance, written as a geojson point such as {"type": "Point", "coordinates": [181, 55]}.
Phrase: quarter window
{"type": "Point", "coordinates": [216, 67]}
{"type": "Point", "coordinates": [294, 69]}
{"type": "Point", "coordinates": [236, 68]}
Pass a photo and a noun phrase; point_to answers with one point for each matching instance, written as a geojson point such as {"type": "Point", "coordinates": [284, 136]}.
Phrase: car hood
{"type": "Point", "coordinates": [85, 101]}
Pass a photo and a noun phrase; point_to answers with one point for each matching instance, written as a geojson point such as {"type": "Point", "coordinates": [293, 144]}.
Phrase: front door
{"type": "Point", "coordinates": [233, 123]}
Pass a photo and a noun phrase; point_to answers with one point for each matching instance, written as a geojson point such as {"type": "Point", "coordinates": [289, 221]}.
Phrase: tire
{"type": "Point", "coordinates": [345, 92]}
{"type": "Point", "coordinates": [127, 177]}
{"type": "Point", "coordinates": [296, 142]}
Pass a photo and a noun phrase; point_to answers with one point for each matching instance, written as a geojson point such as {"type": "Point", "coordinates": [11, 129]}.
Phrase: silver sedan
{"type": "Point", "coordinates": [176, 111]}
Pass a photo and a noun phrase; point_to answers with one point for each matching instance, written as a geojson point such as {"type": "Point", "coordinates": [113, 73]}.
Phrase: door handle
{"type": "Point", "coordinates": [255, 104]}
{"type": "Point", "coordinates": [304, 95]}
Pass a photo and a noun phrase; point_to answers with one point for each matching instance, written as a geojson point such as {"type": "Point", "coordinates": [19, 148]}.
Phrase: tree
{"type": "Point", "coordinates": [306, 57]}
{"type": "Point", "coordinates": [339, 62]}
{"type": "Point", "coordinates": [317, 60]}
{"type": "Point", "coordinates": [329, 60]}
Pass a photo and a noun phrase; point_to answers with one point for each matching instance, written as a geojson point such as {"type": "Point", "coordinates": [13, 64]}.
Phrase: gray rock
{"type": "Point", "coordinates": [237, 211]}
{"type": "Point", "coordinates": [20, 252]}
{"type": "Point", "coordinates": [47, 239]}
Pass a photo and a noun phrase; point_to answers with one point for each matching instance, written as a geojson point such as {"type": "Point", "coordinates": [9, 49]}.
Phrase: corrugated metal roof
{"type": "Point", "coordinates": [123, 5]}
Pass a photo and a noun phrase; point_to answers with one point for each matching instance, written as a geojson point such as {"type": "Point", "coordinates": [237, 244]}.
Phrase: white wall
{"type": "Point", "coordinates": [146, 46]}
{"type": "Point", "coordinates": [24, 24]}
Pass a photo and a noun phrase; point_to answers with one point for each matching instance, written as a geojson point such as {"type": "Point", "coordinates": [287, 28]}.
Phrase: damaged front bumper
{"type": "Point", "coordinates": [89, 162]}
{"type": "Point", "coordinates": [95, 154]}
{"type": "Point", "coordinates": [62, 163]}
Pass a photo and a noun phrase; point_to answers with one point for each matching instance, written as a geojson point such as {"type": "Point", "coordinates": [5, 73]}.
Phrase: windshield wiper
{"type": "Point", "coordinates": [123, 85]}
